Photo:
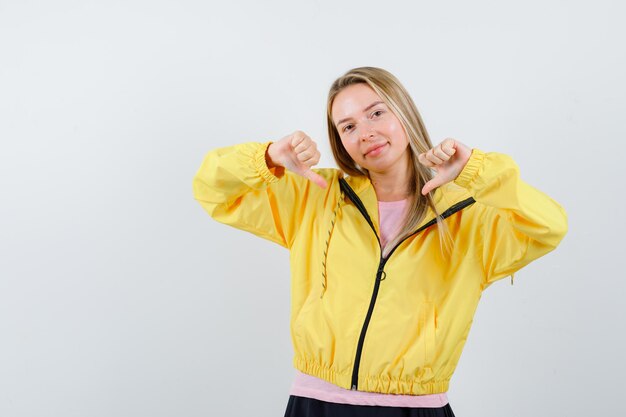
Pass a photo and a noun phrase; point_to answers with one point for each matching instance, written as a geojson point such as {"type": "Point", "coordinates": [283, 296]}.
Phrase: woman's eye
{"type": "Point", "coordinates": [377, 113]}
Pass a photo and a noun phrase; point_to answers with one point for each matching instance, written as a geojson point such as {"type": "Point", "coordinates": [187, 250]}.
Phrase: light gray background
{"type": "Point", "coordinates": [120, 296]}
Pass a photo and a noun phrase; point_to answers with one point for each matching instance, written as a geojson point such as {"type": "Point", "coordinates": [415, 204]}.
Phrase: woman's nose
{"type": "Point", "coordinates": [366, 132]}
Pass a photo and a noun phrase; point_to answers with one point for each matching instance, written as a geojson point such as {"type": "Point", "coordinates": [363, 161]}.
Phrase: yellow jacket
{"type": "Point", "coordinates": [394, 325]}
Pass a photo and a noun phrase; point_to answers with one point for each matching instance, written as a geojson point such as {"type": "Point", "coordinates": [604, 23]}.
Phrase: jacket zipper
{"type": "Point", "coordinates": [381, 265]}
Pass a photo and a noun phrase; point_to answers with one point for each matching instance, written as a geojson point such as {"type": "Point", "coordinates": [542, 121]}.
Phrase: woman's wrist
{"type": "Point", "coordinates": [268, 157]}
{"type": "Point", "coordinates": [270, 162]}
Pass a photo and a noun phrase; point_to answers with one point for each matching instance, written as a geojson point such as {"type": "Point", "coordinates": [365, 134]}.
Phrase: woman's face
{"type": "Point", "coordinates": [369, 131]}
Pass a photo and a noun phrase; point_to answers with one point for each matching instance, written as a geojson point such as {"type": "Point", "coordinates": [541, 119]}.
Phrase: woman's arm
{"type": "Point", "coordinates": [235, 185]}
{"type": "Point", "coordinates": [517, 222]}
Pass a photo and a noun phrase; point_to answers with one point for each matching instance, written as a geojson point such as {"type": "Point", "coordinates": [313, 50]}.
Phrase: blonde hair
{"type": "Point", "coordinates": [395, 96]}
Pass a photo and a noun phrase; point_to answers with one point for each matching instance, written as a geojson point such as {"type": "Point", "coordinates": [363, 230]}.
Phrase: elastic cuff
{"type": "Point", "coordinates": [261, 165]}
{"type": "Point", "coordinates": [470, 171]}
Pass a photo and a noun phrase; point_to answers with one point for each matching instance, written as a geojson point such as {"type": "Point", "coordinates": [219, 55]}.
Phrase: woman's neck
{"type": "Point", "coordinates": [392, 185]}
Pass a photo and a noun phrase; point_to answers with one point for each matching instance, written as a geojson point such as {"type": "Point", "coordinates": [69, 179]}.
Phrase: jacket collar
{"type": "Point", "coordinates": [446, 198]}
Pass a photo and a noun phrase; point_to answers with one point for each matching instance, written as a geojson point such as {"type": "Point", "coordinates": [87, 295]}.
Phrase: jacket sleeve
{"type": "Point", "coordinates": [516, 222]}
{"type": "Point", "coordinates": [235, 186]}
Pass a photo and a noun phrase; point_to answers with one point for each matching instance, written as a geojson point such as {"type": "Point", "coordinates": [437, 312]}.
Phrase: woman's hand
{"type": "Point", "coordinates": [448, 159]}
{"type": "Point", "coordinates": [298, 153]}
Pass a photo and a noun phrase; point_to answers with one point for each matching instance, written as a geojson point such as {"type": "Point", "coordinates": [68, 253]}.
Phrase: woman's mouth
{"type": "Point", "coordinates": [377, 150]}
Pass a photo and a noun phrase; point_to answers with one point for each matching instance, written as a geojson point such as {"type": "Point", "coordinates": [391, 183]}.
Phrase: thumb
{"type": "Point", "coordinates": [315, 177]}
{"type": "Point", "coordinates": [431, 185]}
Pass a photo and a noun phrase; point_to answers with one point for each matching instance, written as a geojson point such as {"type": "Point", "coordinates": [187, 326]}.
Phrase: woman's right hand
{"type": "Point", "coordinates": [298, 153]}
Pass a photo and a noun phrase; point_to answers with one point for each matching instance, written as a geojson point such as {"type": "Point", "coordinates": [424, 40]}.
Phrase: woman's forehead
{"type": "Point", "coordinates": [352, 101]}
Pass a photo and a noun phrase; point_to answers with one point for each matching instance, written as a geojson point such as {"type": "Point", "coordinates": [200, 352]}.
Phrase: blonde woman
{"type": "Point", "coordinates": [389, 254]}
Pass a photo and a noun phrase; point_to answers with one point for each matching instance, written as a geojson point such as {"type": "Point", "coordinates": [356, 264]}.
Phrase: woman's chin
{"type": "Point", "coordinates": [379, 168]}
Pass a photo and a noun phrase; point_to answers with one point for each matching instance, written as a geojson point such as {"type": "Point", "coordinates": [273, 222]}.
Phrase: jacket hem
{"type": "Point", "coordinates": [372, 383]}
{"type": "Point", "coordinates": [318, 371]}
{"type": "Point", "coordinates": [400, 386]}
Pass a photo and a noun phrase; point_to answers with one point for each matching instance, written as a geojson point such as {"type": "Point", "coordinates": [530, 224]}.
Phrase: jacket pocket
{"type": "Point", "coordinates": [428, 335]}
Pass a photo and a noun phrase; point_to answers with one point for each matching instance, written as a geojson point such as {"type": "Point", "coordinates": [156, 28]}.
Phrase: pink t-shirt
{"type": "Point", "coordinates": [390, 215]}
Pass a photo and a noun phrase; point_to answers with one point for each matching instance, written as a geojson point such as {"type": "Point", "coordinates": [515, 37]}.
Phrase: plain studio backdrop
{"type": "Point", "coordinates": [120, 296]}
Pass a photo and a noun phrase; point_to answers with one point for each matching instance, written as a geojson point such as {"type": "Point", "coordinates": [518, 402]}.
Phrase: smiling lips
{"type": "Point", "coordinates": [375, 150]}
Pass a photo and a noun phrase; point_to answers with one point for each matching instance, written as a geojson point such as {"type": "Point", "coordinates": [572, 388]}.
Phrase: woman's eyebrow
{"type": "Point", "coordinates": [364, 110]}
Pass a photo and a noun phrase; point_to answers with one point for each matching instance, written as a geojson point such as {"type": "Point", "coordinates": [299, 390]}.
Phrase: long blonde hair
{"type": "Point", "coordinates": [396, 97]}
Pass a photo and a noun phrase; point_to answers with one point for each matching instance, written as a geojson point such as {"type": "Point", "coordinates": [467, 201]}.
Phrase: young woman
{"type": "Point", "coordinates": [389, 254]}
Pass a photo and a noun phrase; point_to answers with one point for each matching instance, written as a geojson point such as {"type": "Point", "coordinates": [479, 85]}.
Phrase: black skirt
{"type": "Point", "coordinates": [310, 407]}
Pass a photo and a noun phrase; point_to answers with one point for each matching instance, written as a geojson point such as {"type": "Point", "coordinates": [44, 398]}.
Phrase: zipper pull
{"type": "Point", "coordinates": [353, 387]}
{"type": "Point", "coordinates": [381, 272]}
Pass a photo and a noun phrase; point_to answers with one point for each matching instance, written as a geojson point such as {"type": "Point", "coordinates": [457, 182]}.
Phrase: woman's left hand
{"type": "Point", "coordinates": [448, 159]}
